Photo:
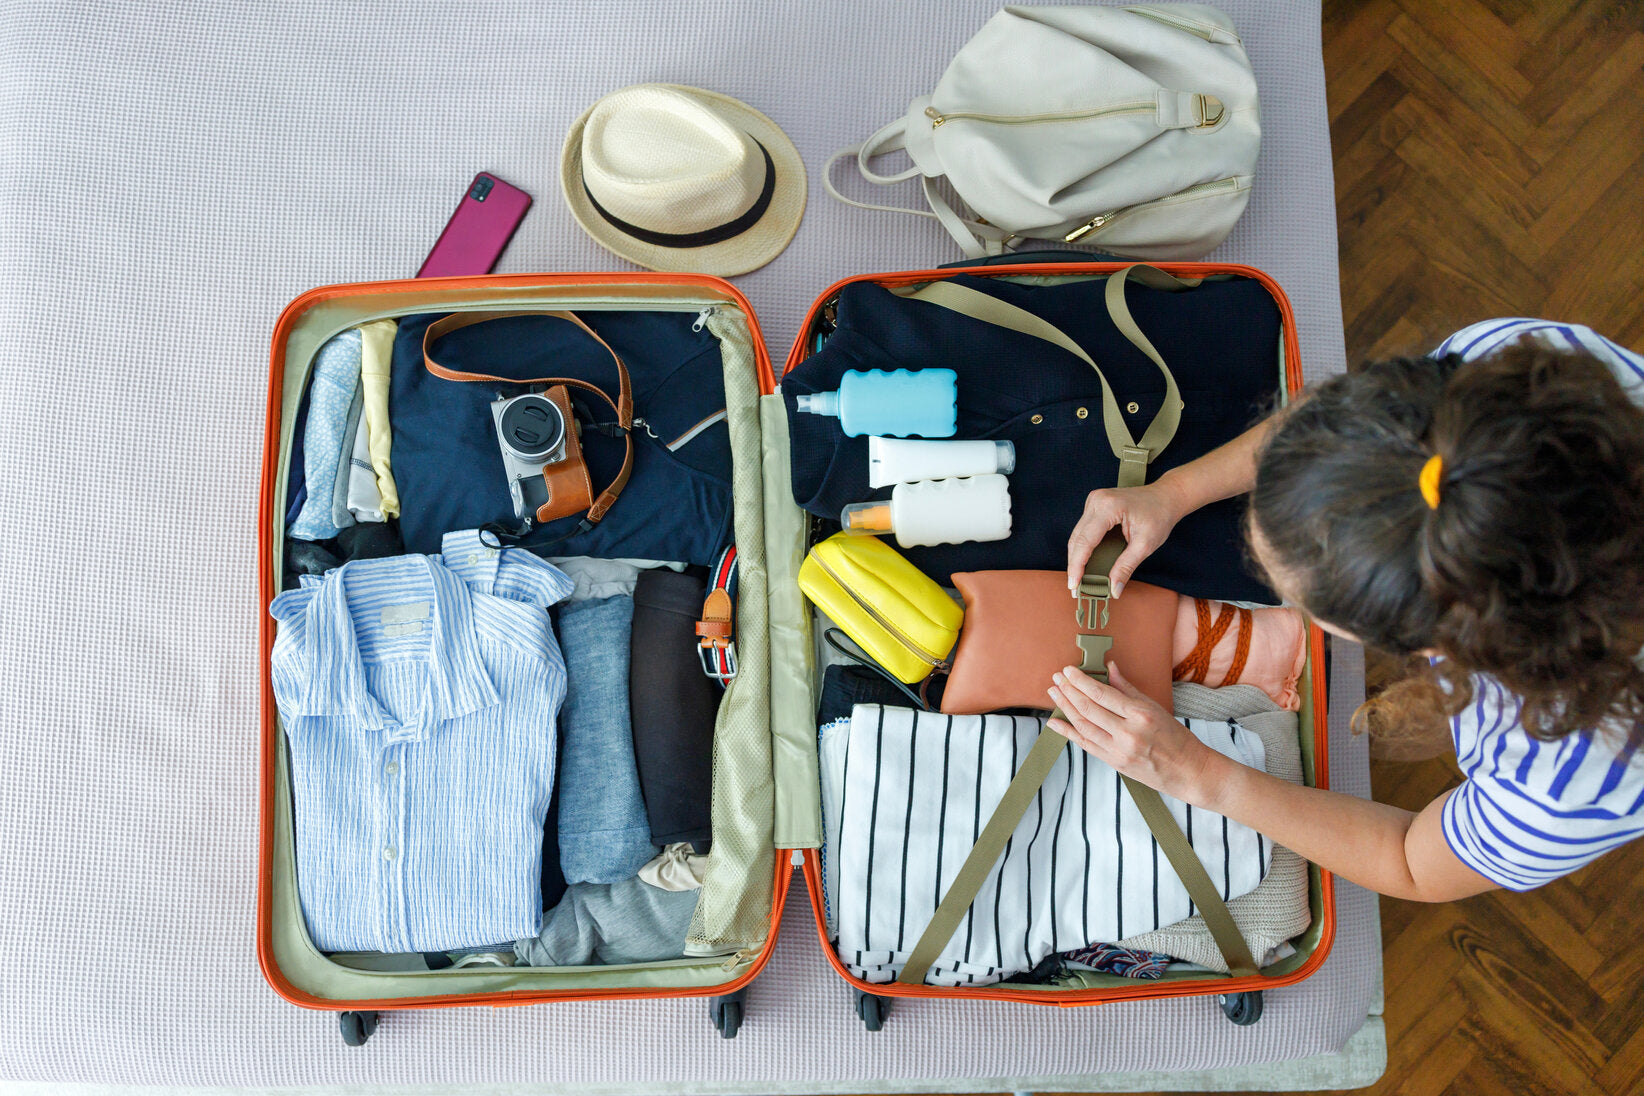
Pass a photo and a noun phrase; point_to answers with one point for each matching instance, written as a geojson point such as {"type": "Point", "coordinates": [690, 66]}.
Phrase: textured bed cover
{"type": "Point", "coordinates": [170, 176]}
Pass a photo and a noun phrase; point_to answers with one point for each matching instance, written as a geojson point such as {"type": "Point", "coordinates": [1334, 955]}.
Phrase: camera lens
{"type": "Point", "coordinates": [532, 427]}
{"type": "Point", "coordinates": [482, 187]}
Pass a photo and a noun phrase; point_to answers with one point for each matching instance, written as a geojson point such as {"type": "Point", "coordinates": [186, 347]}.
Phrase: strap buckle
{"type": "Point", "coordinates": [1091, 611]}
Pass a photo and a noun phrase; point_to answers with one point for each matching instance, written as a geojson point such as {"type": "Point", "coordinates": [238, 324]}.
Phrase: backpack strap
{"type": "Point", "coordinates": [977, 238]}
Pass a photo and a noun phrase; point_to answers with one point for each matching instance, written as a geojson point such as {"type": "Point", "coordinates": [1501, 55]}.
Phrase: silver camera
{"type": "Point", "coordinates": [531, 434]}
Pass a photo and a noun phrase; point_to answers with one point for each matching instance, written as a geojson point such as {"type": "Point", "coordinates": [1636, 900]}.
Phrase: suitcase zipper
{"type": "Point", "coordinates": [741, 955]}
{"type": "Point", "coordinates": [923, 655]}
{"type": "Point", "coordinates": [1102, 220]}
{"type": "Point", "coordinates": [1141, 106]}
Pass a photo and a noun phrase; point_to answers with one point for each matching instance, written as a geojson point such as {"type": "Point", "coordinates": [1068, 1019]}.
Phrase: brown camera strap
{"type": "Point", "coordinates": [623, 405]}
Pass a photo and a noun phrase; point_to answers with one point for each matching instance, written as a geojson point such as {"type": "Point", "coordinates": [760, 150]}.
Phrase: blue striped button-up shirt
{"type": "Point", "coordinates": [419, 696]}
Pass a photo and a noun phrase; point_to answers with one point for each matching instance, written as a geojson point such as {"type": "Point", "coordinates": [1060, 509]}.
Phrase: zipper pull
{"type": "Point", "coordinates": [935, 116]}
{"type": "Point", "coordinates": [702, 317]}
{"type": "Point", "coordinates": [797, 860]}
{"type": "Point", "coordinates": [1088, 227]}
{"type": "Point", "coordinates": [741, 955]}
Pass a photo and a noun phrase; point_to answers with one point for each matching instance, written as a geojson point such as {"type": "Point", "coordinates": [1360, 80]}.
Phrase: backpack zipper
{"type": "Point", "coordinates": [937, 118]}
{"type": "Point", "coordinates": [1102, 220]}
{"type": "Point", "coordinates": [1187, 27]}
{"type": "Point", "coordinates": [923, 655]}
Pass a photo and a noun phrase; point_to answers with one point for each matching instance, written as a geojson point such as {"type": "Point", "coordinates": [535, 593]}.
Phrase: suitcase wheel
{"type": "Point", "coordinates": [356, 1027]}
{"type": "Point", "coordinates": [726, 1012]}
{"type": "Point", "coordinates": [1243, 1009]}
{"type": "Point", "coordinates": [871, 1009]}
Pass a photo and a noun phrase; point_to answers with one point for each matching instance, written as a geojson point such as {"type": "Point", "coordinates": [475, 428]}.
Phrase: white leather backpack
{"type": "Point", "coordinates": [1132, 129]}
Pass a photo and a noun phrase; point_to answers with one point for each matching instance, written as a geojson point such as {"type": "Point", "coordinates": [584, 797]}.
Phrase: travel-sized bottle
{"type": "Point", "coordinates": [894, 460]}
{"type": "Point", "coordinates": [944, 511]}
{"type": "Point", "coordinates": [902, 402]}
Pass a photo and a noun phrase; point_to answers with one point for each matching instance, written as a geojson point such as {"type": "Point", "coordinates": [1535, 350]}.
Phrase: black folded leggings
{"type": "Point", "coordinates": [673, 705]}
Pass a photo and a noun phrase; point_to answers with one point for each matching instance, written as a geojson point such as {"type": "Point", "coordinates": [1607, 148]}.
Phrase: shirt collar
{"type": "Point", "coordinates": [456, 680]}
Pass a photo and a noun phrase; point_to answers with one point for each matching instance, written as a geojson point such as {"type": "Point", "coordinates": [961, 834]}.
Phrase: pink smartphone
{"type": "Point", "coordinates": [477, 233]}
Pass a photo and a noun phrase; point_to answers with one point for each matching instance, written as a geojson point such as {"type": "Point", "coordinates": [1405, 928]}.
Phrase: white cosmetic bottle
{"type": "Point", "coordinates": [944, 511]}
{"type": "Point", "coordinates": [897, 460]}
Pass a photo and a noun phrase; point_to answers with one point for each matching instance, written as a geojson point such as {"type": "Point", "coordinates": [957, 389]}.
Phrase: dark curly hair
{"type": "Point", "coordinates": [1531, 567]}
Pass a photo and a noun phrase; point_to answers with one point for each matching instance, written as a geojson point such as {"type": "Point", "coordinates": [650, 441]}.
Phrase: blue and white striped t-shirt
{"type": "Point", "coordinates": [419, 696]}
{"type": "Point", "coordinates": [1531, 811]}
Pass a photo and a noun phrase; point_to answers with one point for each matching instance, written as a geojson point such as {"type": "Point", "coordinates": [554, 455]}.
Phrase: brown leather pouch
{"type": "Point", "coordinates": [570, 488]}
{"type": "Point", "coordinates": [1019, 630]}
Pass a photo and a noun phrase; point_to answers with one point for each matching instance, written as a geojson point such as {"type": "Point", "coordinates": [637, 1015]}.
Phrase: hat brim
{"type": "Point", "coordinates": [746, 251]}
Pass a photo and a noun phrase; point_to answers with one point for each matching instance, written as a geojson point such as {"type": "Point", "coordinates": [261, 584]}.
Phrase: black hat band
{"type": "Point", "coordinates": [717, 234]}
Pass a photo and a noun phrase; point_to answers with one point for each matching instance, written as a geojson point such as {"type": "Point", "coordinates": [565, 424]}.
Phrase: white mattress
{"type": "Point", "coordinates": [172, 175]}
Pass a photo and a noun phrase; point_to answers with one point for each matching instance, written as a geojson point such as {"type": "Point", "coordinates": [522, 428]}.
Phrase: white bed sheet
{"type": "Point", "coordinates": [170, 176]}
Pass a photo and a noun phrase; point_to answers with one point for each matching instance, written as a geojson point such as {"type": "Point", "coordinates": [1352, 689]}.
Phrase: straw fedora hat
{"type": "Point", "coordinates": [677, 178]}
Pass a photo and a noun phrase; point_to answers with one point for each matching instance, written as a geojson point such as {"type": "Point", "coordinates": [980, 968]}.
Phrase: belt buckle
{"type": "Point", "coordinates": [708, 651]}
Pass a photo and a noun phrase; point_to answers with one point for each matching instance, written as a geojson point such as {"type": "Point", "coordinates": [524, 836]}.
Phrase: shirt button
{"type": "Point", "coordinates": [389, 853]}
{"type": "Point", "coordinates": [392, 768]}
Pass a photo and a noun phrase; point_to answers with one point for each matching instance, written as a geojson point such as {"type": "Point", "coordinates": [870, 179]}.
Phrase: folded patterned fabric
{"type": "Point", "coordinates": [1082, 866]}
{"type": "Point", "coordinates": [1218, 644]}
{"type": "Point", "coordinates": [1113, 959]}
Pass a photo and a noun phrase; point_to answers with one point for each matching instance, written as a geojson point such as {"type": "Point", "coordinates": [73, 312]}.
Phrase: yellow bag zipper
{"type": "Point", "coordinates": [1141, 106]}
{"type": "Point", "coordinates": [1102, 220]}
{"type": "Point", "coordinates": [923, 655]}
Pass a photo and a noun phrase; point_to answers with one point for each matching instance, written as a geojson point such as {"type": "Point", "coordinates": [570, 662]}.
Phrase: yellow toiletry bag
{"type": "Point", "coordinates": [894, 612]}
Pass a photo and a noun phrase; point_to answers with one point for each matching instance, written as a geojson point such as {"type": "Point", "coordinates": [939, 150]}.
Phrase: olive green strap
{"type": "Point", "coordinates": [983, 855]}
{"type": "Point", "coordinates": [1173, 843]}
{"type": "Point", "coordinates": [1134, 456]}
{"type": "Point", "coordinates": [1091, 613]}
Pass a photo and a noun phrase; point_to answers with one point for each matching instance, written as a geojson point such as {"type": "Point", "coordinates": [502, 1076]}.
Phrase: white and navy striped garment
{"type": "Point", "coordinates": [905, 795]}
{"type": "Point", "coordinates": [1531, 811]}
{"type": "Point", "coordinates": [420, 715]}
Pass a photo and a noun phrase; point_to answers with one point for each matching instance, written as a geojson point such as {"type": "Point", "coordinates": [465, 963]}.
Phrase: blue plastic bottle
{"type": "Point", "coordinates": [899, 404]}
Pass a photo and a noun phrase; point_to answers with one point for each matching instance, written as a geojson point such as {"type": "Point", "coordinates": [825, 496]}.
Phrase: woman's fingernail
{"type": "Point", "coordinates": [1057, 678]}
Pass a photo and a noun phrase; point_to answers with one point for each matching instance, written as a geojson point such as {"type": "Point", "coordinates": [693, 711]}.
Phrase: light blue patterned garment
{"type": "Point", "coordinates": [326, 441]}
{"type": "Point", "coordinates": [419, 696]}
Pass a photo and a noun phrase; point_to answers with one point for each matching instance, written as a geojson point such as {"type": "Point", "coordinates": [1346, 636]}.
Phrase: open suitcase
{"type": "Point", "coordinates": [766, 794]}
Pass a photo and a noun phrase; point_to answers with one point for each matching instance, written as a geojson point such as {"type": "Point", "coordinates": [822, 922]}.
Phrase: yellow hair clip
{"type": "Point", "coordinates": [1428, 481]}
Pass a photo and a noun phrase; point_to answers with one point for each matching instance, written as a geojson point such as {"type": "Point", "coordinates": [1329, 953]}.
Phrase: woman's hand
{"type": "Point", "coordinates": [1120, 725]}
{"type": "Point", "coordinates": [1145, 515]}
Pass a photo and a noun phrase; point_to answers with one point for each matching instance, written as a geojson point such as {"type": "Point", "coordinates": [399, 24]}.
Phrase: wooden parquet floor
{"type": "Point", "coordinates": [1489, 161]}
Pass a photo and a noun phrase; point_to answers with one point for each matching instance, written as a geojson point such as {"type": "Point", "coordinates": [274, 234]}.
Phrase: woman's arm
{"type": "Point", "coordinates": [1147, 514]}
{"type": "Point", "coordinates": [1387, 849]}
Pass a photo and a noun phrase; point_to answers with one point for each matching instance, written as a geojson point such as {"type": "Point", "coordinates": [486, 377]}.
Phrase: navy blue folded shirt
{"type": "Point", "coordinates": [449, 470]}
{"type": "Point", "coordinates": [1220, 340]}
